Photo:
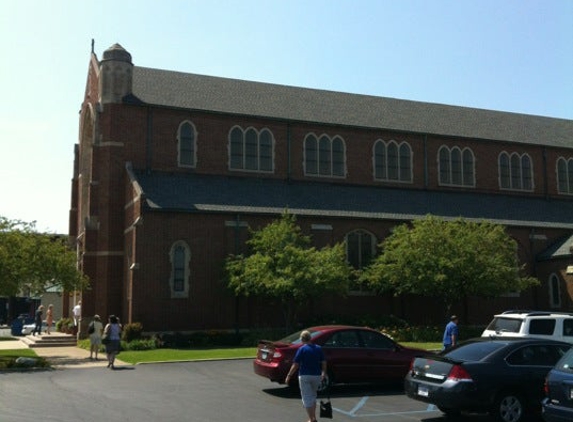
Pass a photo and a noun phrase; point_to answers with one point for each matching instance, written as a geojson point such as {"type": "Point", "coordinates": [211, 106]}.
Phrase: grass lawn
{"type": "Point", "coordinates": [167, 355]}
{"type": "Point", "coordinates": [160, 355]}
{"type": "Point", "coordinates": [7, 357]}
{"type": "Point", "coordinates": [425, 346]}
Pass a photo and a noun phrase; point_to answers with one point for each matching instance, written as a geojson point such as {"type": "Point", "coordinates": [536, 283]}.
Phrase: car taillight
{"type": "Point", "coordinates": [459, 374]}
{"type": "Point", "coordinates": [277, 355]}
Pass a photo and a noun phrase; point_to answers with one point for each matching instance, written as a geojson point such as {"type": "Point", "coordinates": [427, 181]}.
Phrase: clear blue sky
{"type": "Point", "coordinates": [510, 55]}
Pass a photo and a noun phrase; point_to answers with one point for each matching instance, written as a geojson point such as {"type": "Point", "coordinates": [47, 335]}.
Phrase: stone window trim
{"type": "Point", "coordinates": [515, 172]}
{"type": "Point", "coordinates": [322, 160]}
{"type": "Point", "coordinates": [182, 147]}
{"type": "Point", "coordinates": [456, 167]}
{"type": "Point", "coordinates": [179, 278]}
{"type": "Point", "coordinates": [403, 164]}
{"type": "Point", "coordinates": [564, 175]}
{"type": "Point", "coordinates": [365, 239]}
{"type": "Point", "coordinates": [554, 291]}
{"type": "Point", "coordinates": [260, 141]}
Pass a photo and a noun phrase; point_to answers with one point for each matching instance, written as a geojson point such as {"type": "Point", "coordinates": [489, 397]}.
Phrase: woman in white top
{"type": "Point", "coordinates": [113, 332]}
{"type": "Point", "coordinates": [95, 329]}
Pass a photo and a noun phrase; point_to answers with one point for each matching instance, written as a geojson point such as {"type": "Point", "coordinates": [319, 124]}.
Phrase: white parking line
{"type": "Point", "coordinates": [362, 402]}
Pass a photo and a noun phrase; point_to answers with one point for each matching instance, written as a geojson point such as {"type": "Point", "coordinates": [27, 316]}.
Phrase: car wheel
{"type": "Point", "coordinates": [450, 413]}
{"type": "Point", "coordinates": [509, 407]}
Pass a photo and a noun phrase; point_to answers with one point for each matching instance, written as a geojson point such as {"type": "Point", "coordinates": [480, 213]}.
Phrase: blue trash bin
{"type": "Point", "coordinates": [18, 324]}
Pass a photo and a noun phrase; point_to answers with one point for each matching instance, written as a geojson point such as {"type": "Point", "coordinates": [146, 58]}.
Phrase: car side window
{"type": "Point", "coordinates": [376, 341]}
{"type": "Point", "coordinates": [568, 327]}
{"type": "Point", "coordinates": [544, 326]}
{"type": "Point", "coordinates": [536, 355]}
{"type": "Point", "coordinates": [343, 339]}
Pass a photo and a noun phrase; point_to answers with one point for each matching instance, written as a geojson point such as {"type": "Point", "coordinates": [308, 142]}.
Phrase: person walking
{"type": "Point", "coordinates": [95, 329]}
{"type": "Point", "coordinates": [77, 313]}
{"type": "Point", "coordinates": [49, 318]}
{"type": "Point", "coordinates": [113, 332]}
{"type": "Point", "coordinates": [38, 320]}
{"type": "Point", "coordinates": [310, 363]}
{"type": "Point", "coordinates": [451, 333]}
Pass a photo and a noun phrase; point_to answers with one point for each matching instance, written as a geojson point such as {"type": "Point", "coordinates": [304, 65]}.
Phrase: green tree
{"type": "Point", "coordinates": [448, 260]}
{"type": "Point", "coordinates": [285, 267]}
{"type": "Point", "coordinates": [33, 260]}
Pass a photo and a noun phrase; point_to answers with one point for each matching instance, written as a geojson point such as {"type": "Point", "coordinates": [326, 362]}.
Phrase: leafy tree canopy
{"type": "Point", "coordinates": [35, 261]}
{"type": "Point", "coordinates": [450, 260]}
{"type": "Point", "coordinates": [282, 265]}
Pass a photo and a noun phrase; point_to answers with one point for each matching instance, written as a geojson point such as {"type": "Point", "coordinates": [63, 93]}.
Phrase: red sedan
{"type": "Point", "coordinates": [353, 354]}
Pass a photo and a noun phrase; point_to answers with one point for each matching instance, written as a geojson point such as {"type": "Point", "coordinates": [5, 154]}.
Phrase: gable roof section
{"type": "Point", "coordinates": [560, 249]}
{"type": "Point", "coordinates": [191, 193]}
{"type": "Point", "coordinates": [223, 95]}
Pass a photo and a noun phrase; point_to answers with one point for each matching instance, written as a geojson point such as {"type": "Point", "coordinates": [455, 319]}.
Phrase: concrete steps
{"type": "Point", "coordinates": [50, 340]}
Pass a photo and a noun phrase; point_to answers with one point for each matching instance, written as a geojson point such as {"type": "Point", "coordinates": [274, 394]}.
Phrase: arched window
{"type": "Point", "coordinates": [456, 166]}
{"type": "Point", "coordinates": [250, 149]}
{"type": "Point", "coordinates": [392, 162]}
{"type": "Point", "coordinates": [179, 255]}
{"type": "Point", "coordinates": [324, 156]}
{"type": "Point", "coordinates": [515, 171]}
{"type": "Point", "coordinates": [360, 248]}
{"type": "Point", "coordinates": [186, 141]}
{"type": "Point", "coordinates": [554, 291]}
{"type": "Point", "coordinates": [565, 176]}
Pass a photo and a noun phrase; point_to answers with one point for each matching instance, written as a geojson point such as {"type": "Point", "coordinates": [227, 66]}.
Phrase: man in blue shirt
{"type": "Point", "coordinates": [451, 333]}
{"type": "Point", "coordinates": [310, 363]}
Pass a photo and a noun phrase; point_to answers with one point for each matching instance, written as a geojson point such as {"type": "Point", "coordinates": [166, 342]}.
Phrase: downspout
{"type": "Point", "coordinates": [426, 161]}
{"type": "Point", "coordinates": [534, 266]}
{"type": "Point", "coordinates": [289, 152]}
{"type": "Point", "coordinates": [236, 247]}
{"type": "Point", "coordinates": [148, 143]}
{"type": "Point", "coordinates": [545, 186]}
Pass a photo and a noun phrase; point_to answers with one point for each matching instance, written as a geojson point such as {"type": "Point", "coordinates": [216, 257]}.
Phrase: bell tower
{"type": "Point", "coordinates": [116, 73]}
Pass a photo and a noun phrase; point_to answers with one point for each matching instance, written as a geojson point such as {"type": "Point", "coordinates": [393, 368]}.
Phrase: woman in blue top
{"type": "Point", "coordinates": [113, 331]}
{"type": "Point", "coordinates": [311, 366]}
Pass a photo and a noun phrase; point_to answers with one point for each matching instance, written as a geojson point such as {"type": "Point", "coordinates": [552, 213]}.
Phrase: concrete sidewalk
{"type": "Point", "coordinates": [64, 357]}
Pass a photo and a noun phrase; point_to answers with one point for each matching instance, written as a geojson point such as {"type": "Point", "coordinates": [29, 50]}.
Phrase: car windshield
{"type": "Point", "coordinates": [294, 338]}
{"type": "Point", "coordinates": [510, 325]}
{"type": "Point", "coordinates": [566, 362]}
{"type": "Point", "coordinates": [473, 351]}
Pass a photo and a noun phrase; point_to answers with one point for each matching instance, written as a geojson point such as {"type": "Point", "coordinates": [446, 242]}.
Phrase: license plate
{"type": "Point", "coordinates": [423, 391]}
{"type": "Point", "coordinates": [264, 355]}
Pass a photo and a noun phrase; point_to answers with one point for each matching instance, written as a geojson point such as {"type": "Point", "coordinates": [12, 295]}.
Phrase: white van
{"type": "Point", "coordinates": [547, 325]}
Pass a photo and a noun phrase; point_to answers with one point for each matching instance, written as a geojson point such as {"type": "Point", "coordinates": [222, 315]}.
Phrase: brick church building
{"type": "Point", "coordinates": [172, 169]}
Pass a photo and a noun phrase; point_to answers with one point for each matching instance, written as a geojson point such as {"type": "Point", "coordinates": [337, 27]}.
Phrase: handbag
{"type": "Point", "coordinates": [326, 409]}
{"type": "Point", "coordinates": [105, 337]}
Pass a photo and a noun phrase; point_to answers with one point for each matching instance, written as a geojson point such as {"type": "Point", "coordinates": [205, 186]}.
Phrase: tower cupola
{"type": "Point", "coordinates": [116, 73]}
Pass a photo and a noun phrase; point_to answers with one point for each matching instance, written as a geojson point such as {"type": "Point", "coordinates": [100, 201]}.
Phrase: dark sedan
{"type": "Point", "coordinates": [502, 376]}
{"type": "Point", "coordinates": [353, 354]}
{"type": "Point", "coordinates": [558, 406]}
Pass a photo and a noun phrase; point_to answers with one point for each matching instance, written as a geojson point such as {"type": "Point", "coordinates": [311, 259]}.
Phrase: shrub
{"type": "Point", "coordinates": [138, 344]}
{"type": "Point", "coordinates": [64, 325]}
{"type": "Point", "coordinates": [132, 331]}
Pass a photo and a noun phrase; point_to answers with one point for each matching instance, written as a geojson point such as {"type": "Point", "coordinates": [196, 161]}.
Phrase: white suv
{"type": "Point", "coordinates": [548, 325]}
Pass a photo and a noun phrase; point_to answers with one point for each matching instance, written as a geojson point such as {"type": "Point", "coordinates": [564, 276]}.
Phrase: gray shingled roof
{"type": "Point", "coordinates": [199, 92]}
{"type": "Point", "coordinates": [193, 193]}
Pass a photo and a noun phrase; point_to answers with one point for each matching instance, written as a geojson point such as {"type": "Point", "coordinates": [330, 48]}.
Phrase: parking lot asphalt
{"type": "Point", "coordinates": [184, 391]}
{"type": "Point", "coordinates": [191, 391]}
